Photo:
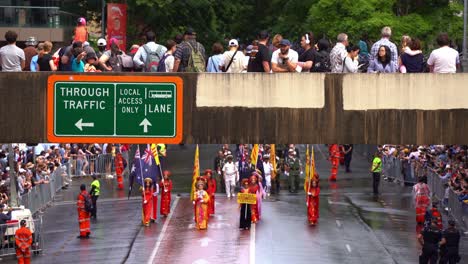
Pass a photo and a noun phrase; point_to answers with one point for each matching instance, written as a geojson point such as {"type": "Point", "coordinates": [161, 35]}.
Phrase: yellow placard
{"type": "Point", "coordinates": [246, 198]}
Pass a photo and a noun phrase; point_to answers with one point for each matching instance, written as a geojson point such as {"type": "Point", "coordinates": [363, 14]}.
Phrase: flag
{"type": "Point", "coordinates": [307, 169]}
{"type": "Point", "coordinates": [273, 160]}
{"type": "Point", "coordinates": [154, 150]}
{"type": "Point", "coordinates": [143, 167]}
{"type": "Point", "coordinates": [196, 171]}
{"type": "Point", "coordinates": [312, 166]}
{"type": "Point", "coordinates": [254, 156]}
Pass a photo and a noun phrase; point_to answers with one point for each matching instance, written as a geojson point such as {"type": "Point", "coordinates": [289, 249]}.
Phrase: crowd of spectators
{"type": "Point", "coordinates": [277, 54]}
{"type": "Point", "coordinates": [448, 162]}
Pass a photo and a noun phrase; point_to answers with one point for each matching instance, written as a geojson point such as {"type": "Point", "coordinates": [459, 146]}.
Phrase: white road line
{"type": "Point", "coordinates": [338, 223]}
{"type": "Point", "coordinates": [252, 244]}
{"type": "Point", "coordinates": [348, 248]}
{"type": "Point", "coordinates": [163, 231]}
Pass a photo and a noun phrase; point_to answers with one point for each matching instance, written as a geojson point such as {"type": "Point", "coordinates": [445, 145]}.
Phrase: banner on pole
{"type": "Point", "coordinates": [117, 24]}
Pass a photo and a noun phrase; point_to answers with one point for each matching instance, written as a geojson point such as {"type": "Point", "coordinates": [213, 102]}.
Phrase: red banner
{"type": "Point", "coordinates": [117, 24]}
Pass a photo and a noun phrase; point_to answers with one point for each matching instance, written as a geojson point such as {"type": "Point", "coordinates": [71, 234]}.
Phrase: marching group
{"type": "Point", "coordinates": [266, 54]}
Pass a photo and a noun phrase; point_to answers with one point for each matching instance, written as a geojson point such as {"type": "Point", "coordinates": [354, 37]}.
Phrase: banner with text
{"type": "Point", "coordinates": [117, 24]}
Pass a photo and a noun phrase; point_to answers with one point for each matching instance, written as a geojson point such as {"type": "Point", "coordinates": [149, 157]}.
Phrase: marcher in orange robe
{"type": "Point", "coordinates": [83, 215]}
{"type": "Point", "coordinates": [201, 200]}
{"type": "Point", "coordinates": [313, 202]}
{"type": "Point", "coordinates": [148, 200]}
{"type": "Point", "coordinates": [23, 241]}
{"type": "Point", "coordinates": [211, 190]}
{"type": "Point", "coordinates": [165, 185]}
{"type": "Point", "coordinates": [254, 207]}
{"type": "Point", "coordinates": [119, 169]}
{"type": "Point", "coordinates": [335, 159]}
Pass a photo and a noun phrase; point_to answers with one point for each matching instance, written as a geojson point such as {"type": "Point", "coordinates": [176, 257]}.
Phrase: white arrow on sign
{"type": "Point", "coordinates": [145, 123]}
{"type": "Point", "coordinates": [204, 241]}
{"type": "Point", "coordinates": [80, 124]}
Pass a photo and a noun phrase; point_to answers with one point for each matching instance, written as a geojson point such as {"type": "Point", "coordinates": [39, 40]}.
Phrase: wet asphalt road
{"type": "Point", "coordinates": [354, 226]}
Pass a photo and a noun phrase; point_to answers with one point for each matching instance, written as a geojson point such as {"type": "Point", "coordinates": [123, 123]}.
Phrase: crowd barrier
{"type": "Point", "coordinates": [101, 164]}
{"type": "Point", "coordinates": [404, 171]}
{"type": "Point", "coordinates": [7, 236]}
{"type": "Point", "coordinates": [40, 195]}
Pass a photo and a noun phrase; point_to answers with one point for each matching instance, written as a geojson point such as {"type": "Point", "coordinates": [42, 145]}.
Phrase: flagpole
{"type": "Point", "coordinates": [312, 165]}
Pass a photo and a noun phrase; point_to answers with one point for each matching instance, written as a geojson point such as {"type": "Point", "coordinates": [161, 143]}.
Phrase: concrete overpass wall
{"type": "Point", "coordinates": [282, 108]}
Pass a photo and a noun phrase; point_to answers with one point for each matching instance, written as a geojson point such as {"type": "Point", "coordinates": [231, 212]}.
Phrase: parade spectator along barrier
{"type": "Point", "coordinates": [281, 108]}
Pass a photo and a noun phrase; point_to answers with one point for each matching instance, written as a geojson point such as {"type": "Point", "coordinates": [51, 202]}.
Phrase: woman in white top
{"type": "Point", "coordinates": [350, 62]}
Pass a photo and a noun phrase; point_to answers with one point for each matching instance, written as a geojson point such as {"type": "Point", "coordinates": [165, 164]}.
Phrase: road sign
{"type": "Point", "coordinates": [114, 109]}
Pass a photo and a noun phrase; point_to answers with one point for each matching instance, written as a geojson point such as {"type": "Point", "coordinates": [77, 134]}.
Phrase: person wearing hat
{"type": "Point", "coordinates": [165, 185]}
{"type": "Point", "coordinates": [184, 59]}
{"type": "Point", "coordinates": [81, 33]}
{"type": "Point", "coordinates": [268, 169]}
{"type": "Point", "coordinates": [29, 52]}
{"type": "Point", "coordinates": [102, 44]}
{"type": "Point", "coordinates": [23, 242]}
{"type": "Point", "coordinates": [211, 189]}
{"type": "Point", "coordinates": [284, 59]}
{"type": "Point", "coordinates": [334, 152]}
{"type": "Point", "coordinates": [233, 59]}
{"type": "Point", "coordinates": [313, 202]}
{"type": "Point", "coordinates": [450, 244]}
{"type": "Point", "coordinates": [245, 209]}
{"type": "Point", "coordinates": [150, 201]}
{"type": "Point", "coordinates": [294, 165]}
{"type": "Point", "coordinates": [231, 176]}
{"type": "Point", "coordinates": [201, 198]}
{"type": "Point", "coordinates": [254, 189]}
{"type": "Point", "coordinates": [83, 214]}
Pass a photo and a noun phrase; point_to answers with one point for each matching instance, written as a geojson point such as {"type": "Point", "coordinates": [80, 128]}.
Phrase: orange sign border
{"type": "Point", "coordinates": [51, 137]}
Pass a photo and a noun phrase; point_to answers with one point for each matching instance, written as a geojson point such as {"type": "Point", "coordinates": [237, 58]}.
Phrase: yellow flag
{"type": "Point", "coordinates": [273, 160]}
{"type": "Point", "coordinates": [254, 156]}
{"type": "Point", "coordinates": [307, 169]}
{"type": "Point", "coordinates": [154, 151]}
{"type": "Point", "coordinates": [196, 171]}
{"type": "Point", "coordinates": [312, 166]}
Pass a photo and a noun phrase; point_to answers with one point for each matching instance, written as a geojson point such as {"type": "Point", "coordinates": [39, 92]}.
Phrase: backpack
{"type": "Point", "coordinates": [126, 62]}
{"type": "Point", "coordinates": [88, 203]}
{"type": "Point", "coordinates": [321, 63]}
{"type": "Point", "coordinates": [116, 63]}
{"type": "Point", "coordinates": [196, 61]}
{"type": "Point", "coordinates": [152, 58]}
{"type": "Point", "coordinates": [162, 63]}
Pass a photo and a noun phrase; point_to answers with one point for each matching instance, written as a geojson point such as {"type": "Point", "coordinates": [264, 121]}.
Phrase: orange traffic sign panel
{"type": "Point", "coordinates": [114, 109]}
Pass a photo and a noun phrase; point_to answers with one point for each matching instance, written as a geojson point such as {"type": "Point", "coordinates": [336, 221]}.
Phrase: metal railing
{"type": "Point", "coordinates": [40, 195]}
{"type": "Point", "coordinates": [7, 237]}
{"type": "Point", "coordinates": [400, 171]}
{"type": "Point", "coordinates": [102, 164]}
{"type": "Point", "coordinates": [36, 17]}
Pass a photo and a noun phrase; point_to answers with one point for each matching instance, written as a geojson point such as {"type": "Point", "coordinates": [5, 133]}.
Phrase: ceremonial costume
{"type": "Point", "coordinates": [119, 169]}
{"type": "Point", "coordinates": [254, 188]}
{"type": "Point", "coordinates": [245, 209]}
{"type": "Point", "coordinates": [150, 201]}
{"type": "Point", "coordinates": [211, 190]}
{"type": "Point", "coordinates": [334, 159]}
{"type": "Point", "coordinates": [422, 200]}
{"type": "Point", "coordinates": [200, 200]}
{"type": "Point", "coordinates": [165, 185]}
{"type": "Point", "coordinates": [313, 200]}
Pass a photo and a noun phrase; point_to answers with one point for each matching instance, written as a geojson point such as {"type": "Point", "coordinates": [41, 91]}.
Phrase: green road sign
{"type": "Point", "coordinates": [123, 111]}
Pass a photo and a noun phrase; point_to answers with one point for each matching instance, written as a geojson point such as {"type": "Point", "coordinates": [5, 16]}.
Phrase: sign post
{"type": "Point", "coordinates": [114, 109]}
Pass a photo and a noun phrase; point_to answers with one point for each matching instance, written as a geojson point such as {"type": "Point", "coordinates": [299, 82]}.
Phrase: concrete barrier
{"type": "Point", "coordinates": [282, 108]}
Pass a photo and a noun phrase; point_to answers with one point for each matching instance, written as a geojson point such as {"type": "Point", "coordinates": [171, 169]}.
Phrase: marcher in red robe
{"type": "Point", "coordinates": [119, 169]}
{"type": "Point", "coordinates": [313, 200]}
{"type": "Point", "coordinates": [165, 185]}
{"type": "Point", "coordinates": [422, 200]}
{"type": "Point", "coordinates": [211, 190]}
{"type": "Point", "coordinates": [254, 207]}
{"type": "Point", "coordinates": [83, 215]}
{"type": "Point", "coordinates": [201, 200]}
{"type": "Point", "coordinates": [334, 159]}
{"type": "Point", "coordinates": [148, 200]}
{"type": "Point", "coordinates": [436, 215]}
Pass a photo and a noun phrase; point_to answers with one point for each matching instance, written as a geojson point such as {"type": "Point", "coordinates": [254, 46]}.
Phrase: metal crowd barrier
{"type": "Point", "coordinates": [39, 196]}
{"type": "Point", "coordinates": [398, 170]}
{"type": "Point", "coordinates": [7, 236]}
{"type": "Point", "coordinates": [102, 164]}
{"type": "Point", "coordinates": [459, 210]}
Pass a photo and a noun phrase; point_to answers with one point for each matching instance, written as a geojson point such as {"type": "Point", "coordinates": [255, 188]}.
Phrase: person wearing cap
{"type": "Point", "coordinates": [183, 54]}
{"type": "Point", "coordinates": [165, 185]}
{"type": "Point", "coordinates": [81, 33]}
{"type": "Point", "coordinates": [23, 242]}
{"type": "Point", "coordinates": [231, 176]}
{"type": "Point", "coordinates": [268, 169]}
{"type": "Point", "coordinates": [429, 239]}
{"type": "Point", "coordinates": [29, 52]}
{"type": "Point", "coordinates": [450, 244]}
{"type": "Point", "coordinates": [284, 59]}
{"type": "Point", "coordinates": [211, 189]}
{"type": "Point", "coordinates": [201, 199]}
{"type": "Point", "coordinates": [260, 62]}
{"type": "Point", "coordinates": [295, 166]}
{"type": "Point", "coordinates": [83, 215]}
{"type": "Point", "coordinates": [233, 59]}
{"type": "Point", "coordinates": [102, 44]}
